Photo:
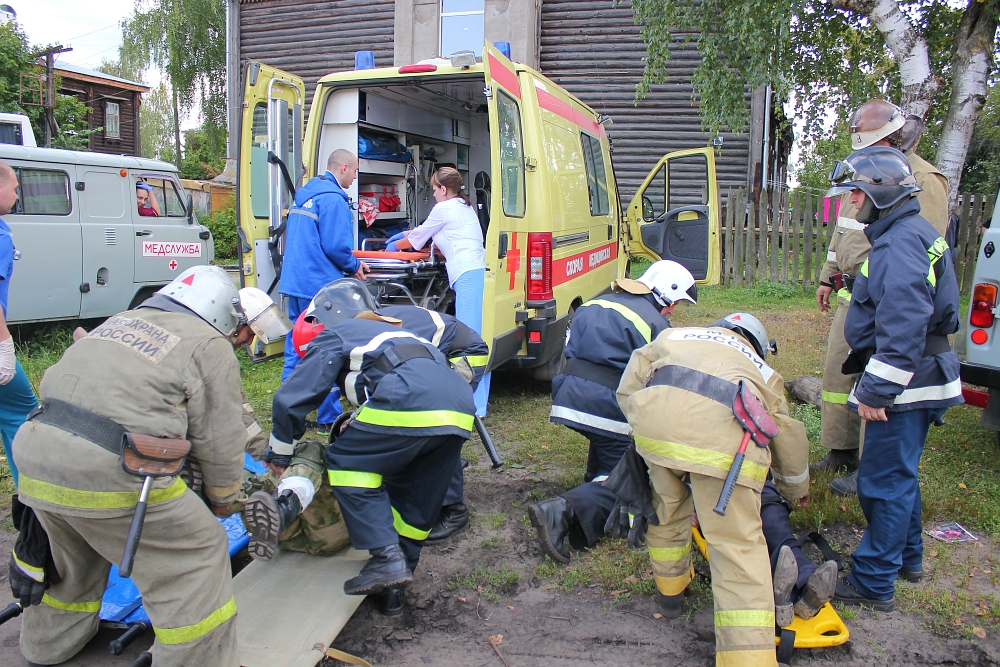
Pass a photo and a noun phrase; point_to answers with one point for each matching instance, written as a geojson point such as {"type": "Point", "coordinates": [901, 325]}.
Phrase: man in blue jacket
{"type": "Point", "coordinates": [318, 244]}
{"type": "Point", "coordinates": [904, 304]}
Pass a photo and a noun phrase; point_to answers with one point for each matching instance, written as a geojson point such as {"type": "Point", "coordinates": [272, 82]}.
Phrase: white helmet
{"type": "Point", "coordinates": [263, 315]}
{"type": "Point", "coordinates": [669, 282]}
{"type": "Point", "coordinates": [211, 294]}
{"type": "Point", "coordinates": [750, 328]}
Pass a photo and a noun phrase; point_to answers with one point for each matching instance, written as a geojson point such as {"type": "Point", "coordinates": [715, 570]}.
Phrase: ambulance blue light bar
{"type": "Point", "coordinates": [364, 60]}
{"type": "Point", "coordinates": [504, 48]}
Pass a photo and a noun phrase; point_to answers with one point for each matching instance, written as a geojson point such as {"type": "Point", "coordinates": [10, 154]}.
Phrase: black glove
{"type": "Point", "coordinates": [630, 482]}
{"type": "Point", "coordinates": [627, 522]}
{"type": "Point", "coordinates": [32, 569]}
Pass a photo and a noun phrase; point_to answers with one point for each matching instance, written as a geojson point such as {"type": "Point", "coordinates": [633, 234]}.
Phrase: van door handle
{"type": "Point", "coordinates": [502, 246]}
{"type": "Point", "coordinates": [145, 232]}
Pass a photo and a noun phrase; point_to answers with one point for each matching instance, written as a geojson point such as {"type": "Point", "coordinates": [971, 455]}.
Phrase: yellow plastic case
{"type": "Point", "coordinates": [823, 630]}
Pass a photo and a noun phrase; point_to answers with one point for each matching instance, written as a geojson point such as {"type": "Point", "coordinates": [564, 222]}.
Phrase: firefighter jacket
{"type": "Point", "coordinates": [604, 333]}
{"type": "Point", "coordinates": [905, 304]}
{"type": "Point", "coordinates": [319, 239]}
{"type": "Point", "coordinates": [420, 396]}
{"type": "Point", "coordinates": [159, 373]}
{"type": "Point", "coordinates": [849, 246]}
{"type": "Point", "coordinates": [466, 351]}
{"type": "Point", "coordinates": [683, 430]}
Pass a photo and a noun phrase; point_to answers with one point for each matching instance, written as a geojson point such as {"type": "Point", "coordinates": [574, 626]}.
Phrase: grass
{"type": "Point", "coordinates": [490, 583]}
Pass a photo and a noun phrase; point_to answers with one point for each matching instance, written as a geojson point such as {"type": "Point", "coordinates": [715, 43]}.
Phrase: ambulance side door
{"type": "Point", "coordinates": [167, 244]}
{"type": "Point", "coordinates": [271, 127]}
{"type": "Point", "coordinates": [675, 214]}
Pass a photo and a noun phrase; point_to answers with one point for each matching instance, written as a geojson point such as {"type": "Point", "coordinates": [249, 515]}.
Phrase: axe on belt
{"type": "Point", "coordinates": [757, 424]}
{"type": "Point", "coordinates": [148, 457]}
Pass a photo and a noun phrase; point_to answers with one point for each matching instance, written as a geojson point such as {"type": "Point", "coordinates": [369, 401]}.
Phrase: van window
{"type": "Point", "coordinates": [511, 156]}
{"type": "Point", "coordinates": [688, 180]}
{"type": "Point", "coordinates": [258, 162]}
{"type": "Point", "coordinates": [10, 133]}
{"type": "Point", "coordinates": [597, 182]}
{"type": "Point", "coordinates": [170, 201]}
{"type": "Point", "coordinates": [42, 192]}
{"type": "Point", "coordinates": [654, 197]}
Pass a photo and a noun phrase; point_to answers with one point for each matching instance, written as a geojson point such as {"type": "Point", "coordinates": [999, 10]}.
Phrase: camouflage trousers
{"type": "Point", "coordinates": [320, 529]}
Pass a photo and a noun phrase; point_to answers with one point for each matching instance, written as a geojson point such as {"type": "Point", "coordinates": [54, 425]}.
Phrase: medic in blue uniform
{"type": "Point", "coordinates": [605, 332]}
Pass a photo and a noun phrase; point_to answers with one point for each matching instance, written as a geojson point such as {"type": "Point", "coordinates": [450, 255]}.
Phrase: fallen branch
{"type": "Point", "coordinates": [495, 643]}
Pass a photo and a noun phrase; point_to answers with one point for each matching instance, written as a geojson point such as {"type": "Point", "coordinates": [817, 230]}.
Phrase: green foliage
{"type": "Point", "coordinates": [223, 227]}
{"type": "Point", "coordinates": [982, 166]}
{"type": "Point", "coordinates": [15, 59]}
{"type": "Point", "coordinates": [156, 124]}
{"type": "Point", "coordinates": [71, 117]}
{"type": "Point", "coordinates": [819, 154]}
{"type": "Point", "coordinates": [204, 152]}
{"type": "Point", "coordinates": [490, 582]}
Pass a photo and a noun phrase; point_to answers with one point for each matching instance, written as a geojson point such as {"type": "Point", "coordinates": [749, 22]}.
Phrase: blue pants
{"type": "Point", "coordinates": [16, 400]}
{"type": "Point", "coordinates": [329, 409]}
{"type": "Point", "coordinates": [469, 290]}
{"type": "Point", "coordinates": [777, 528]}
{"type": "Point", "coordinates": [890, 498]}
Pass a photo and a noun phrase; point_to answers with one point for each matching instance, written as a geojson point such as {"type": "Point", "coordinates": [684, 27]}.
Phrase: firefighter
{"type": "Point", "coordinates": [604, 333]}
{"type": "Point", "coordinates": [876, 123]}
{"type": "Point", "coordinates": [392, 461]}
{"type": "Point", "coordinates": [688, 436]}
{"type": "Point", "coordinates": [904, 305]}
{"type": "Point", "coordinates": [166, 368]}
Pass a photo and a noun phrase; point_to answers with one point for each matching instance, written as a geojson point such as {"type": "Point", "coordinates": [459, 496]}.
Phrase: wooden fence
{"type": "Point", "coordinates": [788, 243]}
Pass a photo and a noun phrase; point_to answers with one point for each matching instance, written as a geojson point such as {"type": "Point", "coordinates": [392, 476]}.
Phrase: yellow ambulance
{"type": "Point", "coordinates": [537, 164]}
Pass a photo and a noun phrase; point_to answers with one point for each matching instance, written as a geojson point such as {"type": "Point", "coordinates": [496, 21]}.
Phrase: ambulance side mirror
{"type": "Point", "coordinates": [189, 208]}
{"type": "Point", "coordinates": [647, 208]}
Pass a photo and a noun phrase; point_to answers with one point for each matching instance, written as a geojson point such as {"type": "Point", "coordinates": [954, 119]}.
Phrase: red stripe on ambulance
{"type": "Point", "coordinates": [504, 77]}
{"type": "Point", "coordinates": [569, 268]}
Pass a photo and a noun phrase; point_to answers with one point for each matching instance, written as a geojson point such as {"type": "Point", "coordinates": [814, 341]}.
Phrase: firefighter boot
{"type": "Point", "coordinates": [552, 519]}
{"type": "Point", "coordinates": [818, 590]}
{"type": "Point", "coordinates": [786, 572]}
{"type": "Point", "coordinates": [452, 519]}
{"type": "Point", "coordinates": [386, 569]}
{"type": "Point", "coordinates": [390, 602]}
{"type": "Point", "coordinates": [837, 459]}
{"type": "Point", "coordinates": [845, 486]}
{"type": "Point", "coordinates": [671, 606]}
{"type": "Point", "coordinates": [266, 518]}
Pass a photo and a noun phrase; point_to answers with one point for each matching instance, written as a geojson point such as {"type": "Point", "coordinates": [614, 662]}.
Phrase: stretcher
{"type": "Point", "coordinates": [405, 278]}
{"type": "Point", "coordinates": [823, 630]}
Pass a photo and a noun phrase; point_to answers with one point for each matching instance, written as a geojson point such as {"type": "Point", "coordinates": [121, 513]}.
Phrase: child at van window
{"type": "Point", "coordinates": [148, 206]}
{"type": "Point", "coordinates": [454, 226]}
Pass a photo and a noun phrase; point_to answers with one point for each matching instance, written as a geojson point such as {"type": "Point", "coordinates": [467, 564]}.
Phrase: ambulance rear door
{"type": "Point", "coordinates": [506, 238]}
{"type": "Point", "coordinates": [269, 169]}
{"type": "Point", "coordinates": [675, 214]}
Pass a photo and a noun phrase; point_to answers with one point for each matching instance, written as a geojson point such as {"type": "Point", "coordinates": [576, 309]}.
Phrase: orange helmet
{"type": "Point", "coordinates": [306, 328]}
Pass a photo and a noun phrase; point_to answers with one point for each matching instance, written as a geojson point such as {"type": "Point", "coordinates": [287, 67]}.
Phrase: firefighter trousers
{"type": "Point", "coordinates": [741, 571]}
{"type": "Point", "coordinates": [841, 426]}
{"type": "Point", "coordinates": [181, 569]}
{"type": "Point", "coordinates": [591, 502]}
{"type": "Point", "coordinates": [390, 487]}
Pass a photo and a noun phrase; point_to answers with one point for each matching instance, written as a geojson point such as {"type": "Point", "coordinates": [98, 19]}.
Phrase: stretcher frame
{"type": "Point", "coordinates": [823, 630]}
{"type": "Point", "coordinates": [406, 278]}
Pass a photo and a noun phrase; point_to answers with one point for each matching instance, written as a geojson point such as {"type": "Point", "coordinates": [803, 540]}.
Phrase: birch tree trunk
{"type": "Point", "coordinates": [970, 68]}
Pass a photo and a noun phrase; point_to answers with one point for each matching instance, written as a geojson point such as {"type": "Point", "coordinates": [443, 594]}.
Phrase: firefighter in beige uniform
{"type": "Point", "coordinates": [687, 438]}
{"type": "Point", "coordinates": [167, 369]}
{"type": "Point", "coordinates": [875, 123]}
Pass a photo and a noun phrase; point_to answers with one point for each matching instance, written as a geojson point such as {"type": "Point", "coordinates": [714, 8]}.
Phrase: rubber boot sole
{"type": "Point", "coordinates": [786, 572]}
{"type": "Point", "coordinates": [262, 519]}
{"type": "Point", "coordinates": [543, 536]}
{"type": "Point", "coordinates": [378, 587]}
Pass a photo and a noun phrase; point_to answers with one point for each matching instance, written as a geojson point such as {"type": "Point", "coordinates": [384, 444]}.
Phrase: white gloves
{"type": "Point", "coordinates": [8, 362]}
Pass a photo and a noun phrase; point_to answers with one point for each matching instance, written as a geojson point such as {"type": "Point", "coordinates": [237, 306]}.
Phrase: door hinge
{"type": "Point", "coordinates": [488, 92]}
{"type": "Point", "coordinates": [84, 287]}
{"type": "Point", "coordinates": [530, 163]}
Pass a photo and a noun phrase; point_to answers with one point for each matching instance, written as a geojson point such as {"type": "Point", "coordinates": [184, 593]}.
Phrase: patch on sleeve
{"type": "Point", "coordinates": [724, 339]}
{"type": "Point", "coordinates": [149, 341]}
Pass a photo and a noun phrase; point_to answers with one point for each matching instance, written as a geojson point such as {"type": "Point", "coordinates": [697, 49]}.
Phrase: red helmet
{"type": "Point", "coordinates": [306, 328]}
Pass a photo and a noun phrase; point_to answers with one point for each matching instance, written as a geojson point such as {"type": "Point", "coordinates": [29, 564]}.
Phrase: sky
{"type": "Point", "coordinates": [92, 34]}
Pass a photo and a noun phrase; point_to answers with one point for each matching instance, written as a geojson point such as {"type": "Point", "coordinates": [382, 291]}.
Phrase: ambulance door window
{"type": "Point", "coordinates": [511, 156]}
{"type": "Point", "coordinates": [166, 244]}
{"type": "Point", "coordinates": [688, 182]}
{"type": "Point", "coordinates": [654, 197]}
{"type": "Point", "coordinates": [597, 182]}
{"type": "Point", "coordinates": [258, 163]}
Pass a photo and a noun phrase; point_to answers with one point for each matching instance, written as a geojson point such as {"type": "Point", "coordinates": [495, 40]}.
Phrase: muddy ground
{"type": "Point", "coordinates": [448, 624]}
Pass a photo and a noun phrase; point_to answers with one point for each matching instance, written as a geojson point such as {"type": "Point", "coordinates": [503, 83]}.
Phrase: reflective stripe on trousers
{"type": "Point", "coordinates": [67, 497]}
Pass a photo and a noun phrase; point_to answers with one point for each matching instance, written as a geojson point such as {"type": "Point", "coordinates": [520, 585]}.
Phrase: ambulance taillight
{"type": "Point", "coordinates": [984, 301]}
{"type": "Point", "coordinates": [539, 266]}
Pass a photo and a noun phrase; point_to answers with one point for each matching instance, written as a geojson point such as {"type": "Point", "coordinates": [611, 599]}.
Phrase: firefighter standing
{"type": "Point", "coordinates": [604, 333]}
{"type": "Point", "coordinates": [390, 466]}
{"type": "Point", "coordinates": [167, 369]}
{"type": "Point", "coordinates": [904, 305]}
{"type": "Point", "coordinates": [687, 438]}
{"type": "Point", "coordinates": [876, 123]}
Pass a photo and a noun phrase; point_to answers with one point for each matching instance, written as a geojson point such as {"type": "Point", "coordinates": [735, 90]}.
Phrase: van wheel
{"type": "Point", "coordinates": [142, 295]}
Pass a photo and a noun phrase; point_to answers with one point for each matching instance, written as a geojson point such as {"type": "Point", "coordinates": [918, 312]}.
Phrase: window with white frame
{"type": "Point", "coordinates": [462, 26]}
{"type": "Point", "coordinates": [112, 120]}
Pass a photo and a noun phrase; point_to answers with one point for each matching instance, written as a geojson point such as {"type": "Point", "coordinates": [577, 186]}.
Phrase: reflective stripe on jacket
{"type": "Point", "coordinates": [605, 331]}
{"type": "Point", "coordinates": [682, 430]}
{"type": "Point", "coordinates": [907, 291]}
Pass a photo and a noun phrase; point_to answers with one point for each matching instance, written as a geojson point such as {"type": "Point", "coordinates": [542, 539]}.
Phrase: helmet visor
{"type": "Point", "coordinates": [271, 325]}
{"type": "Point", "coordinates": [842, 171]}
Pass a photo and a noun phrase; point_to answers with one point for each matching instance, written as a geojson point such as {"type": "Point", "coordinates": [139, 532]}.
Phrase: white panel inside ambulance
{"type": "Point", "coordinates": [402, 134]}
{"type": "Point", "coordinates": [672, 213]}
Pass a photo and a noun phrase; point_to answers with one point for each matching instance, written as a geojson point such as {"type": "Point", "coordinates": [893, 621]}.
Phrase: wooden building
{"type": "Point", "coordinates": [114, 106]}
{"type": "Point", "coordinates": [591, 47]}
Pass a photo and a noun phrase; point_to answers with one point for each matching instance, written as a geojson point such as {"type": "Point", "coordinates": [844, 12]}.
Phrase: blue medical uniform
{"type": "Point", "coordinates": [17, 398]}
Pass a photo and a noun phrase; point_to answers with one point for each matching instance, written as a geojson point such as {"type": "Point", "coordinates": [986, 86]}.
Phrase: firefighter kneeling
{"type": "Point", "coordinates": [678, 395]}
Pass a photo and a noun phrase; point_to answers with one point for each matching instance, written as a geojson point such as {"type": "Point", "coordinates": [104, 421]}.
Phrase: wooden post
{"type": "Point", "coordinates": [762, 246]}
{"type": "Point", "coordinates": [786, 218]}
{"type": "Point", "coordinates": [739, 214]}
{"type": "Point", "coordinates": [807, 240]}
{"type": "Point", "coordinates": [775, 223]}
{"type": "Point", "coordinates": [822, 243]}
{"type": "Point", "coordinates": [963, 239]}
{"type": "Point", "coordinates": [796, 230]}
{"type": "Point", "coordinates": [972, 247]}
{"type": "Point", "coordinates": [751, 244]}
{"type": "Point", "coordinates": [728, 233]}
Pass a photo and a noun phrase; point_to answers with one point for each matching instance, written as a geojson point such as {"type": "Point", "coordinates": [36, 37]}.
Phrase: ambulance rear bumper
{"type": "Point", "coordinates": [550, 333]}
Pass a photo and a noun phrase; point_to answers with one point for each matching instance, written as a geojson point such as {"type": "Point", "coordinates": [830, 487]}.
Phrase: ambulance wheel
{"type": "Point", "coordinates": [142, 295]}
